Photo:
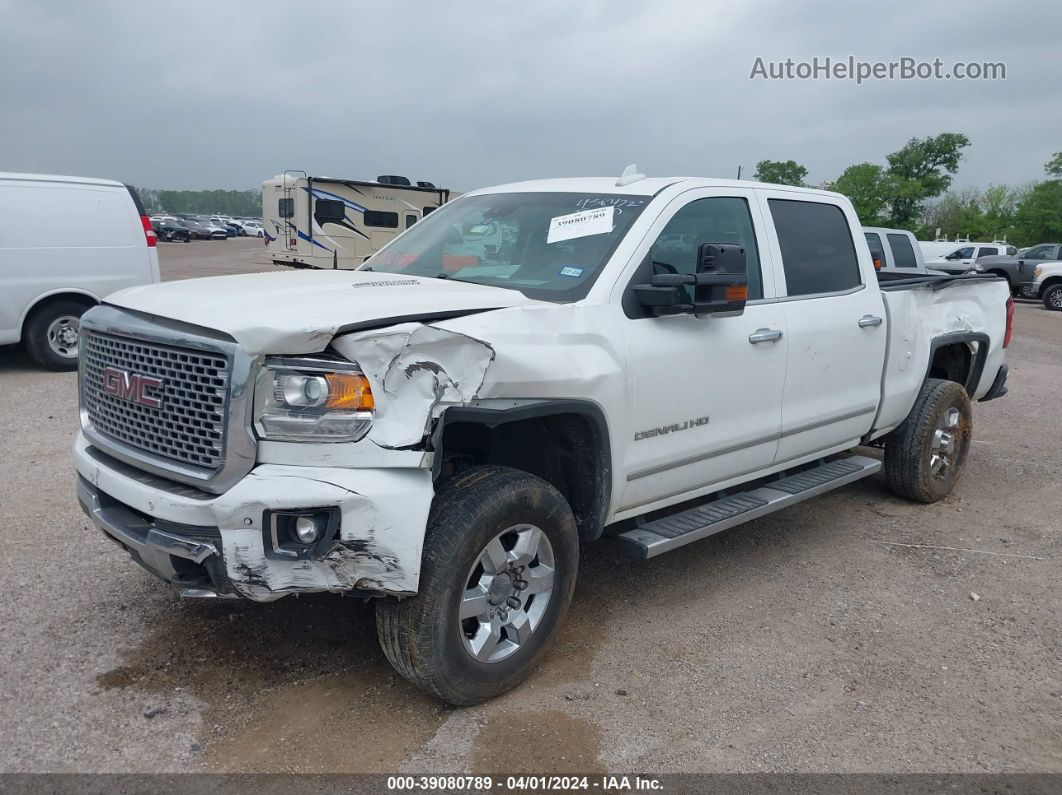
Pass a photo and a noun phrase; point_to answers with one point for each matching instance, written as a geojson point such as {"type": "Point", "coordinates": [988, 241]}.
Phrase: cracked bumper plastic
{"type": "Point", "coordinates": [214, 544]}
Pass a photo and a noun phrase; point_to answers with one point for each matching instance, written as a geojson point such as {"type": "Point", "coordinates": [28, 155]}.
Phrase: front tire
{"type": "Point", "coordinates": [1052, 298]}
{"type": "Point", "coordinates": [498, 572]}
{"type": "Point", "coordinates": [53, 334]}
{"type": "Point", "coordinates": [924, 456]}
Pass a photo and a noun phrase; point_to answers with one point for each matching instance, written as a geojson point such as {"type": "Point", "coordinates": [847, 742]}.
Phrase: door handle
{"type": "Point", "coordinates": [869, 321]}
{"type": "Point", "coordinates": [765, 335]}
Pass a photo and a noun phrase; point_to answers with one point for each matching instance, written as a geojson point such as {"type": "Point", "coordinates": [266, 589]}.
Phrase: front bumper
{"type": "Point", "coordinates": [214, 545]}
{"type": "Point", "coordinates": [185, 556]}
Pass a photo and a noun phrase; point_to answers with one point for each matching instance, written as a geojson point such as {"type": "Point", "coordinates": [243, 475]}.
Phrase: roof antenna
{"type": "Point", "coordinates": [630, 174]}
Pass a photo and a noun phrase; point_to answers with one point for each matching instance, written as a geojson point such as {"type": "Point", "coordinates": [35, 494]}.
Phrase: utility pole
{"type": "Point", "coordinates": [739, 172]}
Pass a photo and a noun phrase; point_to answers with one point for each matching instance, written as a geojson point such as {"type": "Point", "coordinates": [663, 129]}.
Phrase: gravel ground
{"type": "Point", "coordinates": [810, 640]}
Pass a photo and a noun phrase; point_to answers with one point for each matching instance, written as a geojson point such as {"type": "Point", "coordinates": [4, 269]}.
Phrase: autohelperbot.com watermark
{"type": "Point", "coordinates": [852, 68]}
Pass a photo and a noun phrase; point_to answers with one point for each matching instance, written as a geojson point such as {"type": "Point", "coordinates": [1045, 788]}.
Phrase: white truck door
{"type": "Point", "coordinates": [962, 256]}
{"type": "Point", "coordinates": [835, 320]}
{"type": "Point", "coordinates": [705, 393]}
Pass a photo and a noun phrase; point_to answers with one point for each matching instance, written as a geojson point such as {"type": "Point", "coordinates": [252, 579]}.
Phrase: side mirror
{"type": "Point", "coordinates": [954, 255]}
{"type": "Point", "coordinates": [719, 287]}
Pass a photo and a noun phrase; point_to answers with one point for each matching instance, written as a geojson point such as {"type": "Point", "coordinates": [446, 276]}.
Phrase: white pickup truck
{"type": "Point", "coordinates": [531, 366]}
{"type": "Point", "coordinates": [1047, 285]}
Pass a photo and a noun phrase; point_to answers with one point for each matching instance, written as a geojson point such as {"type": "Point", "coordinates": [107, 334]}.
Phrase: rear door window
{"type": "Point", "coordinates": [877, 253]}
{"type": "Point", "coordinates": [902, 251]}
{"type": "Point", "coordinates": [818, 255]}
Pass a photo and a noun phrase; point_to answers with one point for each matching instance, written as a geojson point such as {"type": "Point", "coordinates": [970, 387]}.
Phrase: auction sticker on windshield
{"type": "Point", "coordinates": [597, 221]}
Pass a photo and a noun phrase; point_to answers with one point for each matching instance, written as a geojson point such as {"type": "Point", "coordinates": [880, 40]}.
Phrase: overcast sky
{"type": "Point", "coordinates": [225, 94]}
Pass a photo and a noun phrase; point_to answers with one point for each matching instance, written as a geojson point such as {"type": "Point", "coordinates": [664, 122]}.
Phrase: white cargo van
{"type": "Point", "coordinates": [65, 243]}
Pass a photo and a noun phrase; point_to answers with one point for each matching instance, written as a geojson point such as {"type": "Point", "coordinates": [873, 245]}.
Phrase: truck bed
{"type": "Point", "coordinates": [926, 311]}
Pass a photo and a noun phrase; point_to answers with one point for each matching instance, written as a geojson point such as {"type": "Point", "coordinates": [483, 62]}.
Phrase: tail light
{"type": "Point", "coordinates": [149, 233]}
{"type": "Point", "coordinates": [1010, 322]}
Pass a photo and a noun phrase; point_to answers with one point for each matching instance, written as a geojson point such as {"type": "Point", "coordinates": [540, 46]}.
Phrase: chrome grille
{"type": "Point", "coordinates": [188, 427]}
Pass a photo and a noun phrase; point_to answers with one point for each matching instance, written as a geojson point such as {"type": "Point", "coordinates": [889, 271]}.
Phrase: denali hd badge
{"type": "Point", "coordinates": [134, 387]}
{"type": "Point", "coordinates": [678, 426]}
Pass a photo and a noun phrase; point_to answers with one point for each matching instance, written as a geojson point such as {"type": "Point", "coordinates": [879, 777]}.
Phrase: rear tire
{"type": "Point", "coordinates": [924, 456]}
{"type": "Point", "coordinates": [499, 565]}
{"type": "Point", "coordinates": [52, 334]}
{"type": "Point", "coordinates": [1052, 297]}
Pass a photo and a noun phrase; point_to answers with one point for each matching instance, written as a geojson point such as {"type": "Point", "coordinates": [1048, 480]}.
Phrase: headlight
{"type": "Point", "coordinates": [978, 266]}
{"type": "Point", "coordinates": [1037, 271]}
{"type": "Point", "coordinates": [312, 400]}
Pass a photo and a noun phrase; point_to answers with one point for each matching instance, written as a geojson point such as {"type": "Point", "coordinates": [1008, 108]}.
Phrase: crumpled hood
{"type": "Point", "coordinates": [300, 311]}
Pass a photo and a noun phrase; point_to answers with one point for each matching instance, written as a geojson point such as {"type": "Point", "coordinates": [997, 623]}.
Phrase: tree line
{"type": "Point", "coordinates": [911, 191]}
{"type": "Point", "coordinates": [238, 203]}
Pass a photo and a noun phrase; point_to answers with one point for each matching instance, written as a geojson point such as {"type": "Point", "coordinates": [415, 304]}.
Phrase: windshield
{"type": "Point", "coordinates": [549, 246]}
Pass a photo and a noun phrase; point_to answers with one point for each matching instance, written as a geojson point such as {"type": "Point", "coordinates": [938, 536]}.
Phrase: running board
{"type": "Point", "coordinates": [671, 532]}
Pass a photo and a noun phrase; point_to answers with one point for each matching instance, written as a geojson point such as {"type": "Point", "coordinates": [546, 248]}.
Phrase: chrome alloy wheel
{"type": "Point", "coordinates": [507, 591]}
{"type": "Point", "coordinates": [63, 335]}
{"type": "Point", "coordinates": [1055, 297]}
{"type": "Point", "coordinates": [945, 443]}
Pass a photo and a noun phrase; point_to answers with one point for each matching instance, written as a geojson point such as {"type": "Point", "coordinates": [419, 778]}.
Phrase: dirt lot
{"type": "Point", "coordinates": [811, 640]}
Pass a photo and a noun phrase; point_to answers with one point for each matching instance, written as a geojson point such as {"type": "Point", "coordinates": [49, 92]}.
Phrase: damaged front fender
{"type": "Point", "coordinates": [415, 371]}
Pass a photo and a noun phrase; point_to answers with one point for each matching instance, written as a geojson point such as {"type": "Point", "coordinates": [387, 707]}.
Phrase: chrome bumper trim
{"type": "Point", "coordinates": [151, 547]}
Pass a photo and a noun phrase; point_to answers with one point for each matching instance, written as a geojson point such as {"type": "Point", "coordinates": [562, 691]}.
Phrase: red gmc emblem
{"type": "Point", "coordinates": [134, 387]}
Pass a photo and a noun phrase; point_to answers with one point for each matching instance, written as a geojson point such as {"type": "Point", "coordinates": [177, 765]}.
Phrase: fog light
{"type": "Point", "coordinates": [304, 534]}
{"type": "Point", "coordinates": [306, 530]}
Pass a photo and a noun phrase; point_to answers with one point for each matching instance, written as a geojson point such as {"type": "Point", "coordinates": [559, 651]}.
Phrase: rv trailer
{"type": "Point", "coordinates": [323, 222]}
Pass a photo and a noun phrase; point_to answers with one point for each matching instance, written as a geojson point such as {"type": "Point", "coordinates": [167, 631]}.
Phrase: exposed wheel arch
{"type": "Point", "coordinates": [86, 299]}
{"type": "Point", "coordinates": [959, 357]}
{"type": "Point", "coordinates": [1048, 283]}
{"type": "Point", "coordinates": [564, 442]}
